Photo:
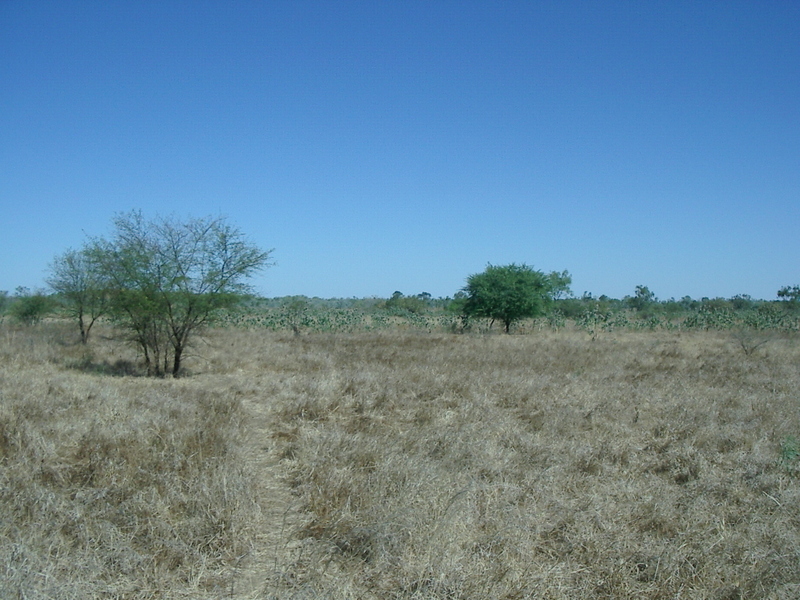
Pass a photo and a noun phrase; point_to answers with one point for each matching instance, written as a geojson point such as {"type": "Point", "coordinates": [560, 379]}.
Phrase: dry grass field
{"type": "Point", "coordinates": [401, 465]}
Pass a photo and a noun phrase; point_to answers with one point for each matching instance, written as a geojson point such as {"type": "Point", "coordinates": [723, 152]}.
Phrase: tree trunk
{"type": "Point", "coordinates": [176, 361]}
{"type": "Point", "coordinates": [84, 332]}
{"type": "Point", "coordinates": [89, 329]}
{"type": "Point", "coordinates": [147, 363]}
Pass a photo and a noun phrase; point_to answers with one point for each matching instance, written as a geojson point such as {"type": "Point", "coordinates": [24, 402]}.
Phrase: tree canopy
{"type": "Point", "coordinates": [164, 279]}
{"type": "Point", "coordinates": [641, 299]}
{"type": "Point", "coordinates": [80, 288]}
{"type": "Point", "coordinates": [790, 293]}
{"type": "Point", "coordinates": [512, 292]}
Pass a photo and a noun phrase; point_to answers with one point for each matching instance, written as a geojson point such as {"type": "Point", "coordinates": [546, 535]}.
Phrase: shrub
{"type": "Point", "coordinates": [30, 309]}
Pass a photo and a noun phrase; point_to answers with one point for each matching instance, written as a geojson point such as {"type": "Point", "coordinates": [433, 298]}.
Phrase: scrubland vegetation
{"type": "Point", "coordinates": [402, 461]}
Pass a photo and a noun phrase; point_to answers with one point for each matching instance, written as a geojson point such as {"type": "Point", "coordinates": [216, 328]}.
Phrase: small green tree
{"type": "Point", "coordinates": [790, 293]}
{"type": "Point", "coordinates": [399, 303]}
{"type": "Point", "coordinates": [30, 308]}
{"type": "Point", "coordinates": [643, 298]}
{"type": "Point", "coordinates": [456, 305]}
{"type": "Point", "coordinates": [80, 287]}
{"type": "Point", "coordinates": [296, 313]}
{"type": "Point", "coordinates": [508, 293]}
{"type": "Point", "coordinates": [560, 284]}
{"type": "Point", "coordinates": [168, 279]}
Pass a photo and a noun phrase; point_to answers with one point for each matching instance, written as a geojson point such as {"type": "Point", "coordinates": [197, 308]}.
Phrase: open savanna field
{"type": "Point", "coordinates": [401, 464]}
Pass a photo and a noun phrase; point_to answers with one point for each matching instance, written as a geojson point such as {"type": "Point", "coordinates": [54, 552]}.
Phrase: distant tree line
{"type": "Point", "coordinates": [161, 281]}
{"type": "Point", "coordinates": [25, 306]}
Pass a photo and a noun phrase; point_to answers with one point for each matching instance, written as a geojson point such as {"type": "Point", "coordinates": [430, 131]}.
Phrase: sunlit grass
{"type": "Point", "coordinates": [647, 464]}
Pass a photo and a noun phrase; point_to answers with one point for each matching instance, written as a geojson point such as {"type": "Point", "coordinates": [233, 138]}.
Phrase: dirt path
{"type": "Point", "coordinates": [259, 574]}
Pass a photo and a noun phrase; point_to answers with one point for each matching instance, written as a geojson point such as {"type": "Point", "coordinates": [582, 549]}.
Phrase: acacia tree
{"type": "Point", "coordinates": [642, 298]}
{"type": "Point", "coordinates": [508, 293]}
{"type": "Point", "coordinates": [168, 279]}
{"type": "Point", "coordinates": [80, 287]}
{"type": "Point", "coordinates": [559, 284]}
{"type": "Point", "coordinates": [790, 293]}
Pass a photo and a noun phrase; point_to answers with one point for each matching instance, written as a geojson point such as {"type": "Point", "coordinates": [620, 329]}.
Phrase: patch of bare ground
{"type": "Point", "coordinates": [401, 465]}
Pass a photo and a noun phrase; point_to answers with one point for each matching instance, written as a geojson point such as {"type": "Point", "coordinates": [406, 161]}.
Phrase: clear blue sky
{"type": "Point", "coordinates": [381, 146]}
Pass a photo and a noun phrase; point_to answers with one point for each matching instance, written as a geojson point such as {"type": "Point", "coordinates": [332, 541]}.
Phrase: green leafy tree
{"type": "Point", "coordinates": [560, 284]}
{"type": "Point", "coordinates": [168, 279]}
{"type": "Point", "coordinates": [30, 308]}
{"type": "Point", "coordinates": [643, 298]}
{"type": "Point", "coordinates": [508, 293]}
{"type": "Point", "coordinates": [671, 308]}
{"type": "Point", "coordinates": [399, 303]}
{"type": "Point", "coordinates": [742, 302]}
{"type": "Point", "coordinates": [296, 313]}
{"type": "Point", "coordinates": [790, 293]}
{"type": "Point", "coordinates": [81, 289]}
{"type": "Point", "coordinates": [456, 305]}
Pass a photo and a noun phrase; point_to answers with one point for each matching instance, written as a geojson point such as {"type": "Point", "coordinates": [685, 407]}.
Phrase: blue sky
{"type": "Point", "coordinates": [381, 146]}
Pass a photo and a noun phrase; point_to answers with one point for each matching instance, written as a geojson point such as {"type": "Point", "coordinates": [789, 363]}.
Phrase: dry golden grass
{"type": "Point", "coordinates": [115, 487]}
{"type": "Point", "coordinates": [402, 465]}
{"type": "Point", "coordinates": [545, 466]}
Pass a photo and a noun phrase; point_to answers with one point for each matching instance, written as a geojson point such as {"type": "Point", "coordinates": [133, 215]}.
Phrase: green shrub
{"type": "Point", "coordinates": [30, 309]}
